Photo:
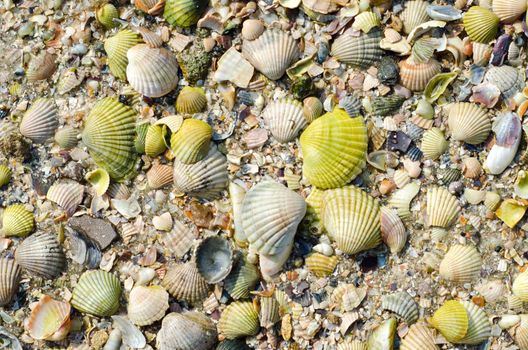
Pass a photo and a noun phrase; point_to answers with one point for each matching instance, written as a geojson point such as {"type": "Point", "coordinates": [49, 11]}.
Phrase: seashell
{"type": "Point", "coordinates": [233, 67]}
{"type": "Point", "coordinates": [49, 320]}
{"type": "Point", "coordinates": [252, 29]}
{"type": "Point", "coordinates": [376, 135]}
{"type": "Point", "coordinates": [40, 120]}
{"type": "Point", "coordinates": [334, 148]}
{"type": "Point", "coordinates": [521, 184]}
{"type": "Point", "coordinates": [424, 109]}
{"type": "Point", "coordinates": [321, 265]}
{"type": "Point", "coordinates": [401, 178]}
{"type": "Point", "coordinates": [160, 175]}
{"type": "Point", "coordinates": [268, 311]}
{"type": "Point", "coordinates": [521, 333]}
{"type": "Point", "coordinates": [214, 259]}
{"type": "Point", "coordinates": [184, 282]}
{"type": "Point", "coordinates": [461, 264]}
{"type": "Point", "coordinates": [492, 200]}
{"type": "Point", "coordinates": [152, 7]}
{"type": "Point", "coordinates": [385, 105]}
{"type": "Point", "coordinates": [358, 51]}
{"type": "Point", "coordinates": [322, 7]}
{"type": "Point", "coordinates": [147, 305]}
{"type": "Point", "coordinates": [403, 305]}
{"type": "Point", "coordinates": [97, 293]}
{"type": "Point", "coordinates": [508, 11]}
{"type": "Point", "coordinates": [474, 196]}
{"type": "Point", "coordinates": [492, 291]}
{"type": "Point", "coordinates": [382, 337]}
{"type": "Point", "coordinates": [5, 175]}
{"type": "Point", "coordinates": [393, 232]}
{"type": "Point", "coordinates": [285, 119]}
{"type": "Point", "coordinates": [312, 108]}
{"type": "Point", "coordinates": [312, 219]}
{"type": "Point", "coordinates": [271, 53]}
{"type": "Point", "coordinates": [68, 195]}
{"type": "Point", "coordinates": [352, 345]}
{"type": "Point", "coordinates": [41, 255]}
{"type": "Point", "coordinates": [109, 132]}
{"type": "Point", "coordinates": [351, 218]}
{"type": "Point", "coordinates": [351, 104]}
{"type": "Point", "coordinates": [442, 207]}
{"type": "Point", "coordinates": [451, 320]}
{"type": "Point", "coordinates": [438, 85]}
{"type": "Point", "coordinates": [508, 79]}
{"type": "Point", "coordinates": [41, 67]}
{"type": "Point", "coordinates": [116, 48]}
{"type": "Point", "coordinates": [17, 221]}
{"type": "Point", "coordinates": [237, 192]}
{"type": "Point", "coordinates": [471, 167]}
{"type": "Point", "coordinates": [155, 140]}
{"type": "Point", "coordinates": [152, 72]}
{"type": "Point", "coordinates": [434, 143]}
{"type": "Point", "coordinates": [242, 279]}
{"type": "Point", "coordinates": [162, 222]}
{"type": "Point", "coordinates": [186, 331]}
{"type": "Point", "coordinates": [520, 286]}
{"type": "Point", "coordinates": [444, 13]}
{"type": "Point", "coordinates": [191, 100]}
{"type": "Point", "coordinates": [507, 128]}
{"type": "Point", "coordinates": [239, 319]}
{"type": "Point", "coordinates": [402, 198]}
{"type": "Point", "coordinates": [511, 211]}
{"type": "Point", "coordinates": [105, 15]}
{"type": "Point", "coordinates": [141, 136]}
{"type": "Point", "coordinates": [10, 273]}
{"type": "Point", "coordinates": [366, 21]}
{"type": "Point", "coordinates": [414, 14]}
{"type": "Point", "coordinates": [184, 13]}
{"type": "Point", "coordinates": [150, 38]}
{"type": "Point", "coordinates": [114, 340]}
{"type": "Point", "coordinates": [270, 215]}
{"type": "Point", "coordinates": [128, 232]}
{"type": "Point", "coordinates": [514, 302]}
{"type": "Point", "coordinates": [118, 191]}
{"type": "Point", "coordinates": [66, 137]}
{"type": "Point", "coordinates": [468, 122]}
{"type": "Point", "coordinates": [233, 344]}
{"type": "Point", "coordinates": [191, 143]}
{"type": "Point", "coordinates": [481, 24]}
{"type": "Point", "coordinates": [99, 179]}
{"type": "Point", "coordinates": [424, 48]}
{"type": "Point", "coordinates": [479, 328]}
{"type": "Point", "coordinates": [130, 334]}
{"type": "Point", "coordinates": [419, 337]}
{"type": "Point", "coordinates": [481, 53]}
{"type": "Point", "coordinates": [416, 76]}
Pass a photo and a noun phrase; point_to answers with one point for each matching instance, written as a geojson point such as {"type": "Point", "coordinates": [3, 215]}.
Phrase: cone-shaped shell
{"type": "Point", "coordinates": [434, 143]}
{"type": "Point", "coordinates": [334, 149]}
{"type": "Point", "coordinates": [520, 286]}
{"type": "Point", "coordinates": [97, 293]}
{"type": "Point", "coordinates": [191, 143]}
{"type": "Point", "coordinates": [451, 320]}
{"type": "Point", "coordinates": [5, 175]}
{"type": "Point", "coordinates": [479, 327]}
{"type": "Point", "coordinates": [239, 319]}
{"type": "Point", "coordinates": [99, 179]}
{"type": "Point", "coordinates": [242, 280]}
{"type": "Point", "coordinates": [393, 232]}
{"type": "Point", "coordinates": [109, 133]}
{"type": "Point", "coordinates": [403, 305]}
{"type": "Point", "coordinates": [160, 175]}
{"type": "Point", "coordinates": [351, 218]}
{"type": "Point", "coordinates": [116, 48]}
{"type": "Point", "coordinates": [147, 305]}
{"type": "Point", "coordinates": [507, 10]}
{"type": "Point", "coordinates": [481, 24]}
{"type": "Point", "coordinates": [416, 76]}
{"type": "Point", "coordinates": [155, 140]}
{"type": "Point", "coordinates": [507, 79]}
{"type": "Point", "coordinates": [461, 264]}
{"type": "Point", "coordinates": [184, 282]}
{"type": "Point", "coordinates": [152, 72]}
{"type": "Point", "coordinates": [206, 178]}
{"type": "Point", "coordinates": [191, 100]}
{"type": "Point", "coordinates": [468, 122]}
{"type": "Point", "coordinates": [40, 120]}
{"type": "Point", "coordinates": [321, 265]}
{"type": "Point", "coordinates": [415, 13]}
{"type": "Point", "coordinates": [66, 137]}
{"type": "Point", "coordinates": [186, 331]}
{"type": "Point", "coordinates": [419, 337]}
{"type": "Point", "coordinates": [401, 199]}
{"type": "Point", "coordinates": [17, 221]}
{"type": "Point", "coordinates": [442, 207]}
{"type": "Point", "coordinates": [41, 67]}
{"type": "Point", "coordinates": [184, 13]}
{"type": "Point", "coordinates": [358, 51]}
{"type": "Point", "coordinates": [285, 119]}
{"type": "Point", "coordinates": [352, 345]}
{"type": "Point", "coordinates": [271, 53]}
{"type": "Point", "coordinates": [41, 255]}
{"type": "Point", "coordinates": [67, 195]}
{"type": "Point", "coordinates": [49, 319]}
{"type": "Point", "coordinates": [10, 273]}
{"type": "Point", "coordinates": [214, 259]}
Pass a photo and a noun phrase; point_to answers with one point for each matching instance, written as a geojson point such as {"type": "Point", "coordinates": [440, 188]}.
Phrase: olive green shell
{"type": "Point", "coordinates": [239, 319]}
{"type": "Point", "coordinates": [242, 280]}
{"type": "Point", "coordinates": [97, 293]}
{"type": "Point", "coordinates": [191, 100]}
{"type": "Point", "coordinates": [191, 143]}
{"type": "Point", "coordinates": [141, 135]}
{"type": "Point", "coordinates": [5, 175]}
{"type": "Point", "coordinates": [481, 24]}
{"type": "Point", "coordinates": [184, 13]}
{"type": "Point", "coordinates": [116, 48]}
{"type": "Point", "coordinates": [17, 221]}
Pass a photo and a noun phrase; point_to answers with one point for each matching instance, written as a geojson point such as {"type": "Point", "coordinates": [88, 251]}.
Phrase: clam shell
{"type": "Point", "coordinates": [461, 264]}
{"type": "Point", "coordinates": [393, 233]}
{"type": "Point", "coordinates": [184, 282]}
{"type": "Point", "coordinates": [481, 53]}
{"type": "Point", "coordinates": [321, 265]}
{"type": "Point", "coordinates": [109, 133]}
{"type": "Point", "coordinates": [17, 221]}
{"type": "Point", "coordinates": [468, 122]}
{"type": "Point", "coordinates": [285, 119]}
{"type": "Point", "coordinates": [5, 175]}
{"type": "Point", "coordinates": [401, 178]}
{"type": "Point", "coordinates": [147, 305]}
{"type": "Point", "coordinates": [206, 178]}
{"type": "Point", "coordinates": [40, 120]}
{"type": "Point", "coordinates": [99, 179]}
{"type": "Point", "coordinates": [184, 13]}
{"type": "Point", "coordinates": [179, 240]}
{"type": "Point", "coordinates": [481, 24]}
{"type": "Point", "coordinates": [68, 195]}
{"type": "Point", "coordinates": [414, 14]}
{"type": "Point", "coordinates": [239, 319]}
{"type": "Point", "coordinates": [492, 291]}
{"type": "Point", "coordinates": [150, 38]}
{"type": "Point", "coordinates": [492, 200]}
{"type": "Point", "coordinates": [416, 76]}
{"type": "Point", "coordinates": [521, 333]}
{"type": "Point", "coordinates": [334, 149]}
{"type": "Point", "coordinates": [191, 100]}
{"type": "Point", "coordinates": [252, 29]}
{"type": "Point", "coordinates": [419, 337]}
{"type": "Point", "coordinates": [382, 337]}
{"type": "Point", "coordinates": [271, 53]}
{"type": "Point", "coordinates": [214, 259]}
{"type": "Point", "coordinates": [242, 279]}
{"type": "Point", "coordinates": [352, 345]}
{"type": "Point", "coordinates": [97, 293]}
{"type": "Point", "coordinates": [233, 67]}
{"type": "Point", "coordinates": [41, 255]}
{"type": "Point", "coordinates": [160, 175]}
{"type": "Point", "coordinates": [41, 67]}
{"type": "Point", "coordinates": [358, 51]}
{"type": "Point", "coordinates": [152, 7]}
{"type": "Point", "coordinates": [155, 140]}
{"type": "Point", "coordinates": [451, 320]}
{"type": "Point", "coordinates": [141, 136]}
{"type": "Point", "coordinates": [116, 48]}
{"type": "Point", "coordinates": [186, 331]}
{"type": "Point", "coordinates": [508, 79]}
{"type": "Point", "coordinates": [49, 320]}
{"type": "Point", "coordinates": [351, 104]}
{"type": "Point", "coordinates": [508, 11]}
{"type": "Point", "coordinates": [351, 218]}
{"type": "Point", "coordinates": [128, 232]}
{"type": "Point", "coordinates": [520, 286]}
{"type": "Point", "coordinates": [105, 15]}
{"type": "Point", "coordinates": [471, 167]}
{"type": "Point", "coordinates": [152, 72]}
{"type": "Point", "coordinates": [401, 199]}
{"type": "Point", "coordinates": [442, 207]}
{"type": "Point", "coordinates": [434, 143]}
{"type": "Point", "coordinates": [385, 105]}
{"type": "Point", "coordinates": [268, 311]}
{"type": "Point", "coordinates": [118, 191]}
{"type": "Point", "coordinates": [403, 305]}
{"type": "Point", "coordinates": [130, 334]}
{"type": "Point", "coordinates": [10, 273]}
{"type": "Point", "coordinates": [66, 137]}
{"type": "Point", "coordinates": [479, 327]}
{"type": "Point", "coordinates": [365, 21]}
{"type": "Point", "coordinates": [233, 344]}
{"type": "Point", "coordinates": [191, 143]}
{"type": "Point", "coordinates": [312, 220]}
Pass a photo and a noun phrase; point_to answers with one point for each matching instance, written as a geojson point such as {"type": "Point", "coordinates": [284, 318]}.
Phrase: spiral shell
{"type": "Point", "coordinates": [17, 221]}
{"type": "Point", "coordinates": [160, 175]}
{"type": "Point", "coordinates": [416, 76]}
{"type": "Point", "coordinates": [415, 13]}
{"type": "Point", "coordinates": [147, 305]}
{"type": "Point", "coordinates": [358, 51]}
{"type": "Point", "coordinates": [184, 13]}
{"type": "Point", "coordinates": [508, 11]}
{"type": "Point", "coordinates": [97, 293]}
{"type": "Point", "coordinates": [451, 320]}
{"type": "Point", "coordinates": [214, 259]}
{"type": "Point", "coordinates": [41, 67]}
{"type": "Point", "coordinates": [49, 320]}
{"type": "Point", "coordinates": [393, 233]}
{"type": "Point", "coordinates": [239, 319]}
{"type": "Point", "coordinates": [191, 143]}
{"type": "Point", "coordinates": [321, 265]}
{"type": "Point", "coordinates": [461, 264]}
{"type": "Point", "coordinates": [442, 207]}
{"type": "Point", "coordinates": [116, 48]}
{"type": "Point", "coordinates": [468, 122]}
{"type": "Point", "coordinates": [403, 305]}
{"type": "Point", "coordinates": [434, 143]}
{"type": "Point", "coordinates": [41, 255]}
{"type": "Point", "coordinates": [285, 119]}
{"type": "Point", "coordinates": [191, 100]}
{"type": "Point", "coordinates": [10, 273]}
{"type": "Point", "coordinates": [40, 120]}
{"type": "Point", "coordinates": [242, 280]}
{"type": "Point", "coordinates": [67, 195]}
{"type": "Point", "coordinates": [481, 24]}
{"type": "Point", "coordinates": [479, 328]}
{"type": "Point", "coordinates": [66, 137]}
{"type": "Point", "coordinates": [186, 331]}
{"type": "Point", "coordinates": [184, 282]}
{"type": "Point", "coordinates": [401, 199]}
{"type": "Point", "coordinates": [419, 337]}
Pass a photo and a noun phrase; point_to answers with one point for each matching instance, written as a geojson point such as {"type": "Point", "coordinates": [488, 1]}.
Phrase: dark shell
{"type": "Point", "coordinates": [449, 175]}
{"type": "Point", "coordinates": [385, 105]}
{"type": "Point", "coordinates": [388, 71]}
{"type": "Point", "coordinates": [414, 131]}
{"type": "Point", "coordinates": [414, 153]}
{"type": "Point", "coordinates": [351, 104]}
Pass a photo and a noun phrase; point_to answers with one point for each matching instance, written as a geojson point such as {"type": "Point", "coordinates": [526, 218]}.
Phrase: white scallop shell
{"type": "Point", "coordinates": [40, 120]}
{"type": "Point", "coordinates": [285, 119]}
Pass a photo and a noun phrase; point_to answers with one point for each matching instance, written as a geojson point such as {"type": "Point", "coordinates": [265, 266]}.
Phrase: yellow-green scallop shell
{"type": "Point", "coordinates": [17, 221]}
{"type": "Point", "coordinates": [191, 143]}
{"type": "Point", "coordinates": [451, 320]}
{"type": "Point", "coordinates": [481, 24]}
{"type": "Point", "coordinates": [191, 100]}
{"type": "Point", "coordinates": [97, 293]}
{"type": "Point", "coordinates": [155, 140]}
{"type": "Point", "coordinates": [5, 175]}
{"type": "Point", "coordinates": [184, 13]}
{"type": "Point", "coordinates": [239, 319]}
{"type": "Point", "coordinates": [116, 48]}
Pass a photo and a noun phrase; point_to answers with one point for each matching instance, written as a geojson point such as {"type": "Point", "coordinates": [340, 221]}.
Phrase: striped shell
{"type": "Point", "coordinates": [402, 198]}
{"type": "Point", "coordinates": [252, 29]}
{"type": "Point", "coordinates": [393, 233]}
{"type": "Point", "coordinates": [461, 264]}
{"type": "Point", "coordinates": [382, 337]}
{"type": "Point", "coordinates": [268, 311]}
{"type": "Point", "coordinates": [507, 10]}
{"type": "Point", "coordinates": [334, 149]}
{"type": "Point", "coordinates": [451, 320]}
{"type": "Point", "coordinates": [285, 119]}
{"type": "Point", "coordinates": [109, 132]}
{"type": "Point", "coordinates": [10, 273]}
{"type": "Point", "coordinates": [184, 282]}
{"type": "Point", "coordinates": [239, 319]}
{"type": "Point", "coordinates": [66, 137]}
{"type": "Point", "coordinates": [5, 175]}
{"type": "Point", "coordinates": [152, 72]}
{"type": "Point", "coordinates": [41, 255]}
{"type": "Point", "coordinates": [179, 240]}
{"type": "Point", "coordinates": [271, 53]}
{"type": "Point", "coordinates": [520, 286]}
{"type": "Point", "coordinates": [416, 76]}
{"type": "Point", "coordinates": [152, 7]}
{"type": "Point", "coordinates": [232, 66]}
{"type": "Point", "coordinates": [99, 179]}
{"type": "Point", "coordinates": [509, 80]}
{"type": "Point", "coordinates": [351, 104]}
{"type": "Point", "coordinates": [233, 344]}
{"type": "Point", "coordinates": [17, 221]}
{"type": "Point", "coordinates": [469, 122]}
{"type": "Point", "coordinates": [214, 259]}
{"type": "Point", "coordinates": [160, 175]}
{"type": "Point", "coordinates": [155, 140]}
{"type": "Point", "coordinates": [40, 120]}
{"type": "Point", "coordinates": [67, 195]}
{"type": "Point", "coordinates": [191, 100]}
{"type": "Point", "coordinates": [116, 48]}
{"type": "Point", "coordinates": [366, 21]}
{"type": "Point", "coordinates": [521, 333]}
{"type": "Point", "coordinates": [147, 305]}
{"type": "Point", "coordinates": [41, 67]}
{"type": "Point", "coordinates": [321, 265]}
{"type": "Point", "coordinates": [141, 136]}
{"type": "Point", "coordinates": [184, 13]}
{"type": "Point", "coordinates": [479, 328]}
{"type": "Point", "coordinates": [358, 51]}
{"type": "Point", "coordinates": [49, 320]}
{"type": "Point", "coordinates": [186, 331]}
{"type": "Point", "coordinates": [352, 345]}
{"type": "Point", "coordinates": [242, 280]}
{"type": "Point", "coordinates": [434, 143]}
{"type": "Point", "coordinates": [97, 293]}
{"type": "Point", "coordinates": [191, 143]}
{"type": "Point", "coordinates": [105, 16]}
{"type": "Point", "coordinates": [442, 207]}
{"type": "Point", "coordinates": [419, 337]}
{"type": "Point", "coordinates": [415, 13]}
{"type": "Point", "coordinates": [481, 24]}
{"type": "Point", "coordinates": [351, 218]}
{"type": "Point", "coordinates": [403, 305]}
{"type": "Point", "coordinates": [481, 53]}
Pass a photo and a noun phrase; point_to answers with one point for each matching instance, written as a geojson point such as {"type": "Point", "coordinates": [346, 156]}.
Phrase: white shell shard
{"type": "Point", "coordinates": [402, 198]}
{"type": "Point", "coordinates": [40, 120]}
{"type": "Point", "coordinates": [237, 193]}
{"type": "Point", "coordinates": [285, 119]}
{"type": "Point", "coordinates": [233, 67]}
{"type": "Point", "coordinates": [507, 128]}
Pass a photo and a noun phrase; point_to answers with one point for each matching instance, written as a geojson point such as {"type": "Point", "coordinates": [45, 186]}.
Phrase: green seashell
{"type": "Point", "coordinates": [141, 135]}
{"type": "Point", "coordinates": [99, 179]}
{"type": "Point", "coordinates": [437, 86]}
{"type": "Point", "coordinates": [479, 327]}
{"type": "Point", "coordinates": [481, 24]}
{"type": "Point", "coordinates": [191, 143]}
{"type": "Point", "coordinates": [106, 14]}
{"type": "Point", "coordinates": [109, 133]}
{"type": "Point", "coordinates": [233, 344]}
{"type": "Point", "coordinates": [5, 175]}
{"type": "Point", "coordinates": [242, 280]}
{"type": "Point", "coordinates": [403, 305]}
{"type": "Point", "coordinates": [116, 48]}
{"type": "Point", "coordinates": [366, 21]}
{"type": "Point", "coordinates": [239, 319]}
{"type": "Point", "coordinates": [97, 293]}
{"type": "Point", "coordinates": [385, 105]}
{"type": "Point", "coordinates": [334, 148]}
{"type": "Point", "coordinates": [434, 143]}
{"type": "Point", "coordinates": [382, 338]}
{"type": "Point", "coordinates": [155, 140]}
{"type": "Point", "coordinates": [184, 13]}
{"type": "Point", "coordinates": [66, 137]}
{"type": "Point", "coordinates": [17, 221]}
{"type": "Point", "coordinates": [451, 320]}
{"type": "Point", "coordinates": [358, 51]}
{"type": "Point", "coordinates": [191, 100]}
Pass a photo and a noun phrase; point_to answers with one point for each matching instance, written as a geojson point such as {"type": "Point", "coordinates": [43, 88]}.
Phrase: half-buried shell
{"type": "Point", "coordinates": [160, 175]}
{"type": "Point", "coordinates": [147, 305]}
{"type": "Point", "coordinates": [66, 137]}
{"type": "Point", "coordinates": [401, 199]}
{"type": "Point", "coordinates": [403, 305]}
{"type": "Point", "coordinates": [41, 255]}
{"type": "Point", "coordinates": [49, 320]}
{"type": "Point", "coordinates": [191, 100]}
{"type": "Point", "coordinates": [97, 293]}
{"type": "Point", "coordinates": [40, 120]}
{"type": "Point", "coordinates": [451, 320]}
{"type": "Point", "coordinates": [419, 337]}
{"type": "Point", "coordinates": [242, 280]}
{"type": "Point", "coordinates": [414, 14]}
{"type": "Point", "coordinates": [479, 327]}
{"type": "Point", "coordinates": [285, 119]}
{"type": "Point", "coordinates": [321, 265]}
{"type": "Point", "coordinates": [186, 331]}
{"type": "Point", "coordinates": [10, 273]}
{"type": "Point", "coordinates": [461, 264]}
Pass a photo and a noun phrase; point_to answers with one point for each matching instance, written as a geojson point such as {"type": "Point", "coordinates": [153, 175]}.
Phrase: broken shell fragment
{"type": "Point", "coordinates": [49, 320]}
{"type": "Point", "coordinates": [383, 336]}
{"type": "Point", "coordinates": [68, 195]}
{"type": "Point", "coordinates": [233, 67]}
{"type": "Point", "coordinates": [507, 128]}
{"type": "Point", "coordinates": [511, 211]}
{"type": "Point", "coordinates": [99, 179]}
{"type": "Point", "coordinates": [186, 331]}
{"type": "Point", "coordinates": [10, 273]}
